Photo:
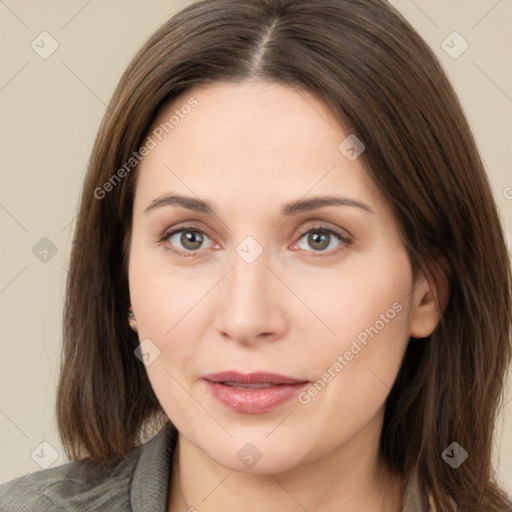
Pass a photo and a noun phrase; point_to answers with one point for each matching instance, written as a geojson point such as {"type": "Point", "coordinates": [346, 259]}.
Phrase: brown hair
{"type": "Point", "coordinates": [367, 64]}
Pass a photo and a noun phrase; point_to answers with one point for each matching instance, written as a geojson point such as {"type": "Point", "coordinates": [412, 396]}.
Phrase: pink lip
{"type": "Point", "coordinates": [251, 378]}
{"type": "Point", "coordinates": [257, 400]}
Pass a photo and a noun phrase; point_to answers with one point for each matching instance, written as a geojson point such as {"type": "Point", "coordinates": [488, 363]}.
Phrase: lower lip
{"type": "Point", "coordinates": [254, 401]}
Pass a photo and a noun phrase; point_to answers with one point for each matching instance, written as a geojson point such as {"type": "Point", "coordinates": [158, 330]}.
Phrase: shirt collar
{"type": "Point", "coordinates": [151, 478]}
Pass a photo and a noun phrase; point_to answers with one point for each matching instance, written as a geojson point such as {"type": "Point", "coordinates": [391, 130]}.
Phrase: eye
{"type": "Point", "coordinates": [188, 241]}
{"type": "Point", "coordinates": [190, 238]}
{"type": "Point", "coordinates": [320, 238]}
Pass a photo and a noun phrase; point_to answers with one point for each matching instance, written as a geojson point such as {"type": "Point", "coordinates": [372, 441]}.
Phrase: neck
{"type": "Point", "coordinates": [351, 478]}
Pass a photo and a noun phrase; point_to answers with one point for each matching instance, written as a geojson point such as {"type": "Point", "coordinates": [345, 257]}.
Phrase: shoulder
{"type": "Point", "coordinates": [73, 486]}
{"type": "Point", "coordinates": [85, 485]}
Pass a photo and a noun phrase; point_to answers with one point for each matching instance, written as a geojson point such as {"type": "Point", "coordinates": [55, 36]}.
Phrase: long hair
{"type": "Point", "coordinates": [382, 82]}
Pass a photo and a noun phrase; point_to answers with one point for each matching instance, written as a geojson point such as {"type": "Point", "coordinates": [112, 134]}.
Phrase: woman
{"type": "Point", "coordinates": [289, 262]}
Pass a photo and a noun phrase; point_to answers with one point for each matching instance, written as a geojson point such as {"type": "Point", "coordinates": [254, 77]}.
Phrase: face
{"type": "Point", "coordinates": [265, 280]}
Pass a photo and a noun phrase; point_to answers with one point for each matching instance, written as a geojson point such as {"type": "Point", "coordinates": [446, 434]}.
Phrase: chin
{"type": "Point", "coordinates": [259, 456]}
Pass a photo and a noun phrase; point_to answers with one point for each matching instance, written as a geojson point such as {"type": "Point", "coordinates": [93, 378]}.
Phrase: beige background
{"type": "Point", "coordinates": [50, 110]}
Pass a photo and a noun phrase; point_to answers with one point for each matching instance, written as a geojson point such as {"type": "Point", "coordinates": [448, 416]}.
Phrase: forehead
{"type": "Point", "coordinates": [225, 107]}
{"type": "Point", "coordinates": [251, 140]}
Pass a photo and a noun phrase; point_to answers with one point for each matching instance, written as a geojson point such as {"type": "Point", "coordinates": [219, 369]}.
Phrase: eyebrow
{"type": "Point", "coordinates": [291, 208]}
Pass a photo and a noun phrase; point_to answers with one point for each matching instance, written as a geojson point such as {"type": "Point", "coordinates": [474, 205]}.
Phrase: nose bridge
{"type": "Point", "coordinates": [248, 306]}
{"type": "Point", "coordinates": [248, 282]}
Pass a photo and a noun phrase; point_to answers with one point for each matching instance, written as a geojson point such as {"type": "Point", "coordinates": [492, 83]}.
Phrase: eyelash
{"type": "Point", "coordinates": [345, 241]}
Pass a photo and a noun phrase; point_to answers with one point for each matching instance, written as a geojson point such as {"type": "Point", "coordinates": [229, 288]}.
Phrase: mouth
{"type": "Point", "coordinates": [252, 380]}
{"type": "Point", "coordinates": [242, 385]}
{"type": "Point", "coordinates": [253, 393]}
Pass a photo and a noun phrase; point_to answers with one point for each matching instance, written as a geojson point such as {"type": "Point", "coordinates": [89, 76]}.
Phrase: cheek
{"type": "Point", "coordinates": [160, 293]}
{"type": "Point", "coordinates": [369, 311]}
{"type": "Point", "coordinates": [162, 299]}
{"type": "Point", "coordinates": [369, 297]}
{"type": "Point", "coordinates": [168, 302]}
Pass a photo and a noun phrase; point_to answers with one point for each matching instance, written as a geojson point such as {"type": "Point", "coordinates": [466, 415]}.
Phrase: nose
{"type": "Point", "coordinates": [251, 303]}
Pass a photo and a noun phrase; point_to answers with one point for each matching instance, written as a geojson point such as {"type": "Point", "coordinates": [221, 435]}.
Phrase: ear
{"type": "Point", "coordinates": [430, 297]}
{"type": "Point", "coordinates": [132, 321]}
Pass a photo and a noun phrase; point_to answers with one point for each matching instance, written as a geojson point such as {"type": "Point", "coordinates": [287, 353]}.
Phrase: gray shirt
{"type": "Point", "coordinates": [137, 483]}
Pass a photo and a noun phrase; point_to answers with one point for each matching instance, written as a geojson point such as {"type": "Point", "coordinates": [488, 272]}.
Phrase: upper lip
{"type": "Point", "coordinates": [251, 378]}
